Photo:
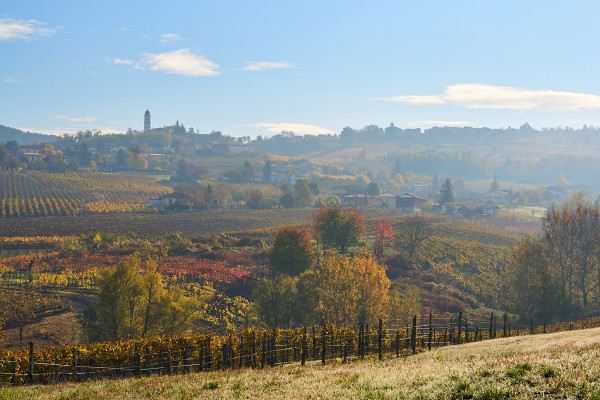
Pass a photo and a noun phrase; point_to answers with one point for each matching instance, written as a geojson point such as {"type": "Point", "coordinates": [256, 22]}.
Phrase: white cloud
{"type": "Point", "coordinates": [261, 65]}
{"type": "Point", "coordinates": [440, 123]}
{"type": "Point", "coordinates": [74, 119]}
{"type": "Point", "coordinates": [8, 79]}
{"type": "Point", "coordinates": [122, 61]}
{"type": "Point", "coordinates": [13, 29]}
{"type": "Point", "coordinates": [180, 62]}
{"type": "Point", "coordinates": [505, 97]}
{"type": "Point", "coordinates": [169, 37]}
{"type": "Point", "coordinates": [413, 99]}
{"type": "Point", "coordinates": [292, 127]}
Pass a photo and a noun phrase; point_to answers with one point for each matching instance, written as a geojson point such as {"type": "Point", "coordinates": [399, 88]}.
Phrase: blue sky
{"type": "Point", "coordinates": [250, 68]}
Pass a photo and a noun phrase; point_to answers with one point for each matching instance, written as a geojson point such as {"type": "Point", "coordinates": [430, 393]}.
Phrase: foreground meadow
{"type": "Point", "coordinates": [558, 365]}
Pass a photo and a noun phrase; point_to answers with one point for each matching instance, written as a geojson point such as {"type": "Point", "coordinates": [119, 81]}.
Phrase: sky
{"type": "Point", "coordinates": [249, 68]}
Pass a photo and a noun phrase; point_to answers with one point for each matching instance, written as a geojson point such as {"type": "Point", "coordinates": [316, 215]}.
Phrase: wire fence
{"type": "Point", "coordinates": [260, 349]}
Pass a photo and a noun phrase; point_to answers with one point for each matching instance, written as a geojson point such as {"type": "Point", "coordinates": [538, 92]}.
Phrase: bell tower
{"type": "Point", "coordinates": [147, 121]}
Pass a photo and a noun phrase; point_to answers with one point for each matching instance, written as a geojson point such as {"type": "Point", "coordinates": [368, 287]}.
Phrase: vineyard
{"type": "Point", "coordinates": [42, 194]}
{"type": "Point", "coordinates": [263, 348]}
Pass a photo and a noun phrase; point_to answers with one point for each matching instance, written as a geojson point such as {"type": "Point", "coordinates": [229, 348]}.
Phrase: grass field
{"type": "Point", "coordinates": [553, 366]}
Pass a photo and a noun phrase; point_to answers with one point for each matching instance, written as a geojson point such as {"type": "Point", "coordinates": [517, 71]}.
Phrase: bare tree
{"type": "Point", "coordinates": [413, 232]}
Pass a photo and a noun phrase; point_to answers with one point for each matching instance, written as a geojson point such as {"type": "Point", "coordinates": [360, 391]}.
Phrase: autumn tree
{"type": "Point", "coordinates": [135, 304]}
{"type": "Point", "coordinates": [350, 290]}
{"type": "Point", "coordinates": [338, 228]}
{"type": "Point", "coordinates": [256, 200]}
{"type": "Point", "coordinates": [533, 288]}
{"type": "Point", "coordinates": [413, 231]}
{"type": "Point", "coordinates": [404, 304]}
{"type": "Point", "coordinates": [291, 252]}
{"type": "Point", "coordinates": [384, 236]}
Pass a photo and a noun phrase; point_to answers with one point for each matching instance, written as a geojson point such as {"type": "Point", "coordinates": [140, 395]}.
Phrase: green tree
{"type": "Point", "coordinates": [276, 302]}
{"type": "Point", "coordinates": [291, 252]}
{"type": "Point", "coordinates": [266, 178]}
{"type": "Point", "coordinates": [302, 193]}
{"type": "Point", "coordinates": [447, 192]}
{"type": "Point", "coordinates": [373, 189]}
{"type": "Point", "coordinates": [338, 228]}
{"type": "Point", "coordinates": [121, 158]}
{"type": "Point", "coordinates": [495, 185]}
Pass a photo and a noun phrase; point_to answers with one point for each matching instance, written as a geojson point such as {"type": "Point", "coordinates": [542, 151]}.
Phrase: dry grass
{"type": "Point", "coordinates": [560, 365]}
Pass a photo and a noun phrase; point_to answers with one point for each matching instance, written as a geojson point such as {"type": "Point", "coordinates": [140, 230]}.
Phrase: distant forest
{"type": "Point", "coordinates": [523, 155]}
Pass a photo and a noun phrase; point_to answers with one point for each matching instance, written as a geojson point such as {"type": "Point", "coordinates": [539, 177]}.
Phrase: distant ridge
{"type": "Point", "coordinates": [21, 137]}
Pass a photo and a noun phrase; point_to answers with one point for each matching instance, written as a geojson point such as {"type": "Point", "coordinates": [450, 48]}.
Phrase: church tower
{"type": "Point", "coordinates": [147, 121]}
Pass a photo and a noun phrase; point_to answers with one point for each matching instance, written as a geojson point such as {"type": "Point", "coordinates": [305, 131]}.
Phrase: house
{"type": "Point", "coordinates": [496, 196]}
{"type": "Point", "coordinates": [219, 148]}
{"type": "Point", "coordinates": [172, 201]}
{"type": "Point", "coordinates": [466, 211]}
{"type": "Point", "coordinates": [387, 200]}
{"type": "Point", "coordinates": [187, 150]}
{"type": "Point", "coordinates": [33, 156]}
{"type": "Point", "coordinates": [409, 203]}
{"type": "Point", "coordinates": [360, 200]}
{"type": "Point", "coordinates": [419, 187]}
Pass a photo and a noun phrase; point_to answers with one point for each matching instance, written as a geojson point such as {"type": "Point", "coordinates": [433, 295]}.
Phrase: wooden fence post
{"type": "Point", "coordinates": [459, 327]}
{"type": "Point", "coordinates": [367, 340]}
{"type": "Point", "coordinates": [379, 340]}
{"type": "Point", "coordinates": [314, 343]}
{"type": "Point", "coordinates": [451, 337]}
{"type": "Point", "coordinates": [360, 340]}
{"type": "Point", "coordinates": [209, 354]}
{"type": "Point", "coordinates": [491, 325]}
{"type": "Point", "coordinates": [263, 356]}
{"type": "Point", "coordinates": [397, 343]}
{"type": "Point", "coordinates": [504, 327]}
{"type": "Point", "coordinates": [186, 363]}
{"type": "Point", "coordinates": [137, 360]}
{"type": "Point", "coordinates": [30, 374]}
{"type": "Point", "coordinates": [430, 334]}
{"type": "Point", "coordinates": [531, 326]}
{"type": "Point", "coordinates": [253, 361]}
{"type": "Point", "coordinates": [201, 357]}
{"type": "Point", "coordinates": [414, 335]}
{"type": "Point", "coordinates": [466, 330]}
{"type": "Point", "coordinates": [169, 362]}
{"type": "Point", "coordinates": [274, 348]}
{"type": "Point", "coordinates": [323, 344]}
{"type": "Point", "coordinates": [544, 326]}
{"type": "Point", "coordinates": [303, 347]}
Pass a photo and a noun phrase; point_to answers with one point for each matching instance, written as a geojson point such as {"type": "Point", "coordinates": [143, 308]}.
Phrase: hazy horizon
{"type": "Point", "coordinates": [260, 68]}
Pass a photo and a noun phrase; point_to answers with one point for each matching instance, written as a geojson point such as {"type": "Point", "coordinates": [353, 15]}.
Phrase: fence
{"type": "Point", "coordinates": [260, 349]}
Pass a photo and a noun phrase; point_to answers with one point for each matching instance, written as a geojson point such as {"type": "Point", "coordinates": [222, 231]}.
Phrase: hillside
{"type": "Point", "coordinates": [21, 137]}
{"type": "Point", "coordinates": [558, 365]}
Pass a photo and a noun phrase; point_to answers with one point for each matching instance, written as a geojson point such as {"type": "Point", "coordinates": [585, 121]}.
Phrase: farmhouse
{"type": "Point", "coordinates": [497, 196]}
{"type": "Point", "coordinates": [172, 201]}
{"type": "Point", "coordinates": [409, 203]}
{"type": "Point", "coordinates": [360, 200]}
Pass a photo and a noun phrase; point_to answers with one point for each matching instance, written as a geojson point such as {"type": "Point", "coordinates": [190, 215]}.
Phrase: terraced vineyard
{"type": "Point", "coordinates": [42, 194]}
